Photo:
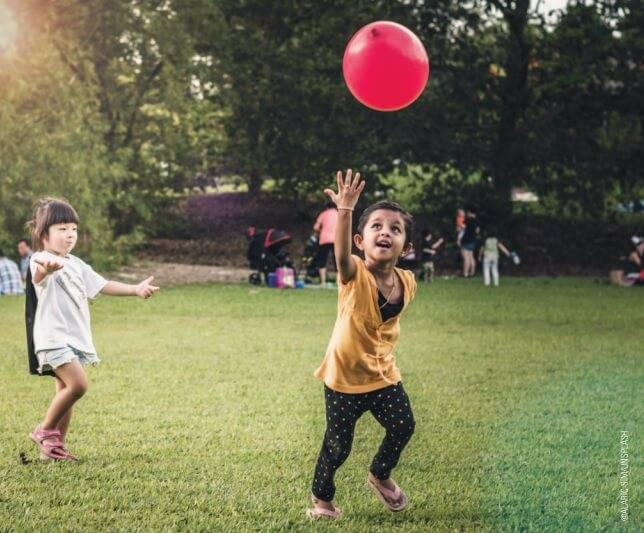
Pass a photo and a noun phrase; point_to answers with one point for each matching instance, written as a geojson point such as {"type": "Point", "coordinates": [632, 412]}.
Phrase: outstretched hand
{"type": "Point", "coordinates": [145, 289]}
{"type": "Point", "coordinates": [49, 266]}
{"type": "Point", "coordinates": [349, 189]}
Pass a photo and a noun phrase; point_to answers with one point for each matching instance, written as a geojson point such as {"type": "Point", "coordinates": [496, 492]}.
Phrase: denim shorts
{"type": "Point", "coordinates": [52, 359]}
{"type": "Point", "coordinates": [469, 246]}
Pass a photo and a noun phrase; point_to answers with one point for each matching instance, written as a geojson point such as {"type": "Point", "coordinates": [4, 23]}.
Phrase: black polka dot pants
{"type": "Point", "coordinates": [390, 406]}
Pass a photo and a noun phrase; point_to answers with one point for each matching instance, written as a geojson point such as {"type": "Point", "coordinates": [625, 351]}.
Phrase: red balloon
{"type": "Point", "coordinates": [385, 66]}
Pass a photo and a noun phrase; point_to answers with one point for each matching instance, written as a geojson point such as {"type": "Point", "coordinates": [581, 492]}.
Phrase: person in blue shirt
{"type": "Point", "coordinates": [10, 280]}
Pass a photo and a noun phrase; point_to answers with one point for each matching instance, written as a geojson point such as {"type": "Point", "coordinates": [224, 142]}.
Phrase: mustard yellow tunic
{"type": "Point", "coordinates": [360, 355]}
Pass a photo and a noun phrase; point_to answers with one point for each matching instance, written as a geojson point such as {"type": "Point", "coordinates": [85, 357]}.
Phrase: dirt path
{"type": "Point", "coordinates": [177, 273]}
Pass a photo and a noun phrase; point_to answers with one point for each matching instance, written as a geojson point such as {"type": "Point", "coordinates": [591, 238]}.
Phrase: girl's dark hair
{"type": "Point", "coordinates": [47, 212]}
{"type": "Point", "coordinates": [389, 206]}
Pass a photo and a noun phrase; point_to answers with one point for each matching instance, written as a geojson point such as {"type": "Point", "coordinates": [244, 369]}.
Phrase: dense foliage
{"type": "Point", "coordinates": [121, 105]}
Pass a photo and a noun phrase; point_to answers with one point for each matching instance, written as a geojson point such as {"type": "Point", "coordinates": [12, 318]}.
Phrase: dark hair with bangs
{"type": "Point", "coordinates": [389, 206]}
{"type": "Point", "coordinates": [47, 212]}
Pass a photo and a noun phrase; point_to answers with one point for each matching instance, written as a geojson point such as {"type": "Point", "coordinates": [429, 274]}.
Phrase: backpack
{"type": "Point", "coordinates": [31, 304]}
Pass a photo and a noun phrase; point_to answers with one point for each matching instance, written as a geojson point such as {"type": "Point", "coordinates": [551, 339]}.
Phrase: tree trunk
{"type": "Point", "coordinates": [254, 182]}
{"type": "Point", "coordinates": [509, 163]}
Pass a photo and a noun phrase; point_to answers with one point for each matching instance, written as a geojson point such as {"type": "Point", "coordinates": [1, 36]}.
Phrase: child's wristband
{"type": "Point", "coordinates": [345, 208]}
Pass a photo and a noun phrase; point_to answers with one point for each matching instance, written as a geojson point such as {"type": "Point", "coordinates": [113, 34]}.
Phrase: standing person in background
{"type": "Point", "coordinates": [409, 259]}
{"type": "Point", "coordinates": [459, 224]}
{"type": "Point", "coordinates": [467, 242]}
{"type": "Point", "coordinates": [10, 282]}
{"type": "Point", "coordinates": [489, 253]}
{"type": "Point", "coordinates": [430, 247]}
{"type": "Point", "coordinates": [24, 251]}
{"type": "Point", "coordinates": [324, 228]}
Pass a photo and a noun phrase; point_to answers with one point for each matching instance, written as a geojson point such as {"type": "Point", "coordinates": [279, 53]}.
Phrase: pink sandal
{"type": "Point", "coordinates": [395, 500]}
{"type": "Point", "coordinates": [69, 455]}
{"type": "Point", "coordinates": [315, 513]}
{"type": "Point", "coordinates": [50, 442]}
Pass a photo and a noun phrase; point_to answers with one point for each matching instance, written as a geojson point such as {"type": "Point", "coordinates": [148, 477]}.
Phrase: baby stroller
{"type": "Point", "coordinates": [266, 252]}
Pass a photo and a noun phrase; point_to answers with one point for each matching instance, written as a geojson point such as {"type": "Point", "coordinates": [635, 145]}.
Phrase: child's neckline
{"type": "Point", "coordinates": [376, 291]}
{"type": "Point", "coordinates": [393, 269]}
{"type": "Point", "coordinates": [56, 254]}
{"type": "Point", "coordinates": [381, 295]}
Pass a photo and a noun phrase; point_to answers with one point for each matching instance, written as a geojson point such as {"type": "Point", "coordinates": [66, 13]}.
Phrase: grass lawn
{"type": "Point", "coordinates": [204, 414]}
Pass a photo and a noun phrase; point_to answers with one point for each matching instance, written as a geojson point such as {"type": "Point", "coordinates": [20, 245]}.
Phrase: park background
{"type": "Point", "coordinates": [173, 125]}
{"type": "Point", "coordinates": [136, 110]}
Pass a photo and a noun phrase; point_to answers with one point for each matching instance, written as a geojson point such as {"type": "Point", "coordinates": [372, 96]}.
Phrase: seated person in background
{"type": "Point", "coordinates": [10, 280]}
{"type": "Point", "coordinates": [631, 268]}
{"type": "Point", "coordinates": [635, 265]}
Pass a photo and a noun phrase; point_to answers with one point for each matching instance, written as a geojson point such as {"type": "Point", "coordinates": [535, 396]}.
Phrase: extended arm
{"type": "Point", "coordinates": [143, 290]}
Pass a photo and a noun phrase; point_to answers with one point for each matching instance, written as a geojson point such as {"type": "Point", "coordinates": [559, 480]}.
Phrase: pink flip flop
{"type": "Point", "coordinates": [51, 444]}
{"type": "Point", "coordinates": [316, 513]}
{"type": "Point", "coordinates": [394, 500]}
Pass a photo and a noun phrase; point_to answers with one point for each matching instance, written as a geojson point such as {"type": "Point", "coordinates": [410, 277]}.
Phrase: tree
{"type": "Point", "coordinates": [51, 141]}
{"type": "Point", "coordinates": [138, 58]}
{"type": "Point", "coordinates": [587, 150]}
{"type": "Point", "coordinates": [277, 70]}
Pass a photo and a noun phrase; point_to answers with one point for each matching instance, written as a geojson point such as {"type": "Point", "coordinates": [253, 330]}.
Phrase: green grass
{"type": "Point", "coordinates": [204, 414]}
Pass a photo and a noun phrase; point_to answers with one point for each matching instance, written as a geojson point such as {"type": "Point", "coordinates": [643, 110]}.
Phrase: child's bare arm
{"type": "Point", "coordinates": [345, 199]}
{"type": "Point", "coordinates": [143, 290]}
{"type": "Point", "coordinates": [504, 250]}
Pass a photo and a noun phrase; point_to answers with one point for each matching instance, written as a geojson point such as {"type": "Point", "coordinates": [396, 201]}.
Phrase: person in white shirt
{"type": "Point", "coordinates": [60, 338]}
{"type": "Point", "coordinates": [489, 253]}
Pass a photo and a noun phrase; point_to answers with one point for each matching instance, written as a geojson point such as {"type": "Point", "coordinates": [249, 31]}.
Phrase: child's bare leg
{"type": "Point", "coordinates": [471, 268]}
{"type": "Point", "coordinates": [63, 424]}
{"type": "Point", "coordinates": [74, 379]}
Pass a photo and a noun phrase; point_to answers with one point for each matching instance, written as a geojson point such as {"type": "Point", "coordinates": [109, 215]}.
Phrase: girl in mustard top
{"type": "Point", "coordinates": [359, 369]}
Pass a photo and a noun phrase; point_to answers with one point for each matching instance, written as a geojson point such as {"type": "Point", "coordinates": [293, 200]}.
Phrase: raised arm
{"type": "Point", "coordinates": [349, 189]}
{"type": "Point", "coordinates": [143, 290]}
